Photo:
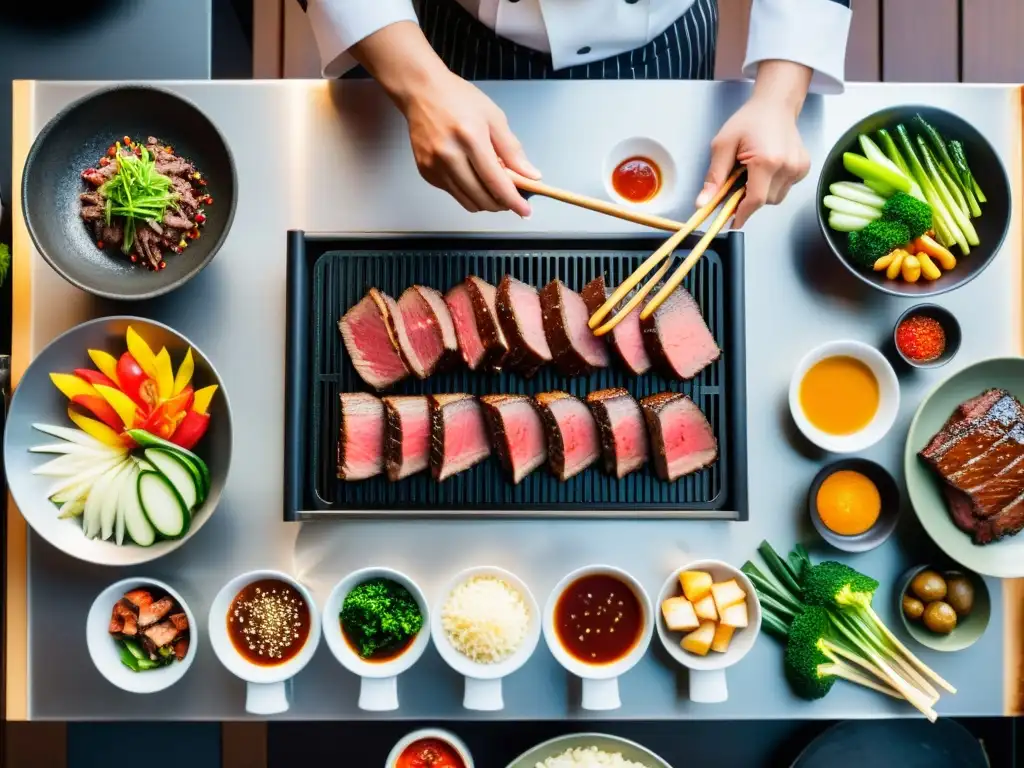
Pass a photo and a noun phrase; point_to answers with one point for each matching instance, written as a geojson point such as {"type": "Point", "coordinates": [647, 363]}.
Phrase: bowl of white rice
{"type": "Point", "coordinates": [589, 750]}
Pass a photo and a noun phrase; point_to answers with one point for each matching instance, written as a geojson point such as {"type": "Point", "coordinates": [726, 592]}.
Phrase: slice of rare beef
{"type": "Point", "coordinates": [368, 330]}
{"type": "Point", "coordinates": [677, 338]}
{"type": "Point", "coordinates": [517, 433]}
{"type": "Point", "coordinates": [475, 318]}
{"type": "Point", "coordinates": [620, 426]}
{"type": "Point", "coordinates": [522, 322]}
{"type": "Point", "coordinates": [361, 439]}
{"type": "Point", "coordinates": [426, 333]}
{"type": "Point", "coordinates": [627, 340]}
{"type": "Point", "coordinates": [458, 435]}
{"type": "Point", "coordinates": [682, 440]}
{"type": "Point", "coordinates": [571, 432]}
{"type": "Point", "coordinates": [406, 435]}
{"type": "Point", "coordinates": [574, 347]}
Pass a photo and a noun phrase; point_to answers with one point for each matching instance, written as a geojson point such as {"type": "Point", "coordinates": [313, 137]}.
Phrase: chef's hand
{"type": "Point", "coordinates": [763, 136]}
{"type": "Point", "coordinates": [460, 138]}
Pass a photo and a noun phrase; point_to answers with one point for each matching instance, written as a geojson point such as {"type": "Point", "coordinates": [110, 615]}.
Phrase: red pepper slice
{"type": "Point", "coordinates": [135, 383]}
{"type": "Point", "coordinates": [101, 409]}
{"type": "Point", "coordinates": [191, 430]}
{"type": "Point", "coordinates": [94, 377]}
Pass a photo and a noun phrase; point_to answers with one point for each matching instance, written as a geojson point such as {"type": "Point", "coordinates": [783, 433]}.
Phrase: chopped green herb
{"type": "Point", "coordinates": [380, 617]}
{"type": "Point", "coordinates": [137, 192]}
{"type": "Point", "coordinates": [5, 261]}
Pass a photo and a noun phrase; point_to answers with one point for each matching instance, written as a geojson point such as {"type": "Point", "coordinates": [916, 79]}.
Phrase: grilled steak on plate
{"type": "Point", "coordinates": [574, 347]}
{"type": "Point", "coordinates": [621, 428]}
{"type": "Point", "coordinates": [361, 438]}
{"type": "Point", "coordinates": [458, 436]}
{"type": "Point", "coordinates": [426, 334]}
{"type": "Point", "coordinates": [517, 433]}
{"type": "Point", "coordinates": [406, 435]}
{"type": "Point", "coordinates": [677, 338]}
{"type": "Point", "coordinates": [627, 340]}
{"type": "Point", "coordinates": [682, 441]}
{"type": "Point", "coordinates": [474, 315]}
{"type": "Point", "coordinates": [522, 322]}
{"type": "Point", "coordinates": [371, 340]}
{"type": "Point", "coordinates": [571, 432]}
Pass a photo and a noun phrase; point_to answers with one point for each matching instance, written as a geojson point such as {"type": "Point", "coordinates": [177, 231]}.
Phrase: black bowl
{"type": "Point", "coordinates": [992, 225]}
{"type": "Point", "coordinates": [76, 139]}
{"type": "Point", "coordinates": [949, 324]}
{"type": "Point", "coordinates": [887, 518]}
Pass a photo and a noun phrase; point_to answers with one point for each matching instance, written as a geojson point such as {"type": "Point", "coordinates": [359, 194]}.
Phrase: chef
{"type": "Point", "coordinates": [426, 53]}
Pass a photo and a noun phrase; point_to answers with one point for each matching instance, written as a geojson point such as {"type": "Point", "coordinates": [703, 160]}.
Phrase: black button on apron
{"type": "Point", "coordinates": [584, 50]}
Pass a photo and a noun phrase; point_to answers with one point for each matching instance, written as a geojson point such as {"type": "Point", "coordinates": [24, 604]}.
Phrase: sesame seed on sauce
{"type": "Point", "coordinates": [268, 622]}
{"type": "Point", "coordinates": [589, 612]}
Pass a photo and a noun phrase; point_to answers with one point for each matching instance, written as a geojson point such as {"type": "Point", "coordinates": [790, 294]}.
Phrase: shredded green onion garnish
{"type": "Point", "coordinates": [137, 192]}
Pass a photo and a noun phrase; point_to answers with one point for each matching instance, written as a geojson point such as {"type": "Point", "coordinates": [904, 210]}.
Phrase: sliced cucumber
{"type": "Point", "coordinates": [178, 472]}
{"type": "Point", "coordinates": [136, 524]}
{"type": "Point", "coordinates": [148, 440]}
{"type": "Point", "coordinates": [162, 505]}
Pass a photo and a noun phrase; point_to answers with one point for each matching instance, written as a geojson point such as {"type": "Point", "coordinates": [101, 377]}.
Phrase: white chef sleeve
{"type": "Point", "coordinates": [340, 24]}
{"type": "Point", "coordinates": [808, 32]}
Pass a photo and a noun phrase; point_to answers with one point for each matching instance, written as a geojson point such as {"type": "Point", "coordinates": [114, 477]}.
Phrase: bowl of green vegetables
{"type": "Point", "coordinates": [914, 201]}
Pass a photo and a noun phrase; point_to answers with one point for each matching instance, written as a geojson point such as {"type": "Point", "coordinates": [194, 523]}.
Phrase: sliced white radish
{"type": "Point", "coordinates": [68, 465]}
{"type": "Point", "coordinates": [180, 475]}
{"type": "Point", "coordinates": [136, 524]}
{"type": "Point", "coordinates": [72, 509]}
{"type": "Point", "coordinates": [129, 488]}
{"type": "Point", "coordinates": [73, 493]}
{"type": "Point", "coordinates": [90, 474]}
{"type": "Point", "coordinates": [70, 434]}
{"type": "Point", "coordinates": [109, 502]}
{"type": "Point", "coordinates": [93, 513]}
{"type": "Point", "coordinates": [75, 449]}
{"type": "Point", "coordinates": [162, 505]}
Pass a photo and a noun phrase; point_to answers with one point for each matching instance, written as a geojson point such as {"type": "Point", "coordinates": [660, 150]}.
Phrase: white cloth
{"type": "Point", "coordinates": [808, 32]}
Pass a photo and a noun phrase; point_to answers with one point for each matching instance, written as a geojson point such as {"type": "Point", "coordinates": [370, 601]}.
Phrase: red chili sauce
{"type": "Point", "coordinates": [637, 179]}
{"type": "Point", "coordinates": [430, 753]}
{"type": "Point", "coordinates": [921, 338]}
{"type": "Point", "coordinates": [598, 619]}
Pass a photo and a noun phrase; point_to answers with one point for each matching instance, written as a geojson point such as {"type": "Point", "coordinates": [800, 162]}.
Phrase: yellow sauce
{"type": "Point", "coordinates": [848, 503]}
{"type": "Point", "coordinates": [839, 395]}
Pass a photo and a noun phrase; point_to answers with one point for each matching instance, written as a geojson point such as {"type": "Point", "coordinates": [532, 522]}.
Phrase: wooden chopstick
{"type": "Point", "coordinates": [677, 277]}
{"type": "Point", "coordinates": [593, 203]}
{"type": "Point", "coordinates": [634, 300]}
{"type": "Point", "coordinates": [663, 252]}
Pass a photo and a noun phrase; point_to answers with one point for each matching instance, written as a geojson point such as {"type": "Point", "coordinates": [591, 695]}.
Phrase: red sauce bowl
{"type": "Point", "coordinates": [637, 187]}
{"type": "Point", "coordinates": [452, 750]}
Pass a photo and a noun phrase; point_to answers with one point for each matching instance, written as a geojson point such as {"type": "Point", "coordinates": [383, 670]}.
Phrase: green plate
{"type": "Point", "coordinates": [628, 749]}
{"type": "Point", "coordinates": [1004, 558]}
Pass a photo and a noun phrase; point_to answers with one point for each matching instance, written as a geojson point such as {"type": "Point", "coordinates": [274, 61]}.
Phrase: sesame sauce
{"type": "Point", "coordinates": [268, 622]}
{"type": "Point", "coordinates": [598, 619]}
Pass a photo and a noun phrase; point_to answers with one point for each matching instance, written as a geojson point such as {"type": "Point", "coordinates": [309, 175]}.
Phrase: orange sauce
{"type": "Point", "coordinates": [637, 179]}
{"type": "Point", "coordinates": [848, 503]}
{"type": "Point", "coordinates": [839, 395]}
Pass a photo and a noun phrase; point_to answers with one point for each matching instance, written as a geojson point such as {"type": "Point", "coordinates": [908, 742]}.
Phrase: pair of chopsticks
{"type": "Point", "coordinates": [682, 230]}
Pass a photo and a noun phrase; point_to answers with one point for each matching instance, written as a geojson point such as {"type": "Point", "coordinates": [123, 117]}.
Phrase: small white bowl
{"type": "Point", "coordinates": [888, 390]}
{"type": "Point", "coordinates": [430, 733]}
{"type": "Point", "coordinates": [104, 651]}
{"type": "Point", "coordinates": [483, 681]}
{"type": "Point", "coordinates": [378, 681]}
{"type": "Point", "coordinates": [667, 196]}
{"type": "Point", "coordinates": [707, 673]}
{"type": "Point", "coordinates": [600, 681]}
{"type": "Point", "coordinates": [265, 690]}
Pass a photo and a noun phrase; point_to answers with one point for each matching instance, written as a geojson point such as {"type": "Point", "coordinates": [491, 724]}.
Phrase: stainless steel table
{"type": "Point", "coordinates": [335, 157]}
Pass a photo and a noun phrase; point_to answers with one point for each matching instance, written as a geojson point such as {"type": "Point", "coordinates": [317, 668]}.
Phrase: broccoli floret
{"type": "Point", "coordinates": [806, 664]}
{"type": "Point", "coordinates": [833, 585]}
{"type": "Point", "coordinates": [379, 616]}
{"type": "Point", "coordinates": [877, 239]}
{"type": "Point", "coordinates": [914, 214]}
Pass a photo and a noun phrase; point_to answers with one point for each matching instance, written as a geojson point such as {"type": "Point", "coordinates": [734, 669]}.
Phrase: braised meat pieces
{"type": "Point", "coordinates": [156, 626]}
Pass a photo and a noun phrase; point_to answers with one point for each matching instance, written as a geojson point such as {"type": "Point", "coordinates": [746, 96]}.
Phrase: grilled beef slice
{"type": "Point", "coordinates": [426, 334]}
{"type": "Point", "coordinates": [522, 322]}
{"type": "Point", "coordinates": [361, 437]}
{"type": "Point", "coordinates": [371, 340]}
{"type": "Point", "coordinates": [406, 435]}
{"type": "Point", "coordinates": [620, 426]}
{"type": "Point", "coordinates": [571, 433]}
{"type": "Point", "coordinates": [458, 436]}
{"type": "Point", "coordinates": [516, 432]}
{"type": "Point", "coordinates": [677, 338]}
{"type": "Point", "coordinates": [682, 441]}
{"type": "Point", "coordinates": [574, 347]}
{"type": "Point", "coordinates": [474, 315]}
{"type": "Point", "coordinates": [627, 341]}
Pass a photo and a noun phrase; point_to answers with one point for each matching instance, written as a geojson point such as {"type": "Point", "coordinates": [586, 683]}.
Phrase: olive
{"type": "Point", "coordinates": [960, 594]}
{"type": "Point", "coordinates": [928, 585]}
{"type": "Point", "coordinates": [940, 617]}
{"type": "Point", "coordinates": [912, 607]}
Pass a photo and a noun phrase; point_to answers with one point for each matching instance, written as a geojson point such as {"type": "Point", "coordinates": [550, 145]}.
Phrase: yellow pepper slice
{"type": "Point", "coordinates": [96, 429]}
{"type": "Point", "coordinates": [123, 405]}
{"type": "Point", "coordinates": [71, 386]}
{"type": "Point", "coordinates": [140, 350]}
{"type": "Point", "coordinates": [184, 374]}
{"type": "Point", "coordinates": [164, 374]}
{"type": "Point", "coordinates": [105, 363]}
{"type": "Point", "coordinates": [201, 399]}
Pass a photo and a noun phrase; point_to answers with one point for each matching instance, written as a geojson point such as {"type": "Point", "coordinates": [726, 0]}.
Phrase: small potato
{"type": "Point", "coordinates": [883, 263]}
{"type": "Point", "coordinates": [940, 617]}
{"type": "Point", "coordinates": [928, 586]}
{"type": "Point", "coordinates": [912, 607]}
{"type": "Point", "coordinates": [893, 270]}
{"type": "Point", "coordinates": [911, 268]}
{"type": "Point", "coordinates": [960, 594]}
{"type": "Point", "coordinates": [929, 271]}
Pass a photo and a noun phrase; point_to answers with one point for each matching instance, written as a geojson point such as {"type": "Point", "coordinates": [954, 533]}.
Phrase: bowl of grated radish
{"type": "Point", "coordinates": [486, 625]}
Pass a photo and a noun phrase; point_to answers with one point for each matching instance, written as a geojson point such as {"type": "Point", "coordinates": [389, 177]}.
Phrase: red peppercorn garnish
{"type": "Point", "coordinates": [921, 338]}
{"type": "Point", "coordinates": [209, 200]}
{"type": "Point", "coordinates": [104, 161]}
{"type": "Point", "coordinates": [134, 258]}
{"type": "Point", "coordinates": [200, 218]}
{"type": "Point", "coordinates": [163, 265]}
{"type": "Point", "coordinates": [201, 182]}
{"type": "Point", "coordinates": [99, 244]}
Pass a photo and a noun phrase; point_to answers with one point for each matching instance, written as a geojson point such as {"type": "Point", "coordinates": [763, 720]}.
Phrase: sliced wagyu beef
{"type": "Point", "coordinates": [426, 333]}
{"type": "Point", "coordinates": [458, 435]}
{"type": "Point", "coordinates": [361, 440]}
{"type": "Point", "coordinates": [406, 435]}
{"type": "Point", "coordinates": [626, 339]}
{"type": "Point", "coordinates": [472, 305]}
{"type": "Point", "coordinates": [522, 322]}
{"type": "Point", "coordinates": [371, 339]}
{"type": "Point", "coordinates": [677, 338]}
{"type": "Point", "coordinates": [621, 430]}
{"type": "Point", "coordinates": [570, 431]}
{"type": "Point", "coordinates": [574, 347]}
{"type": "Point", "coordinates": [682, 440]}
{"type": "Point", "coordinates": [517, 433]}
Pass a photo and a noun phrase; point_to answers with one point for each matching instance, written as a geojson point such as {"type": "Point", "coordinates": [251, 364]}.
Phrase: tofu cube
{"type": "Point", "coordinates": [679, 614]}
{"type": "Point", "coordinates": [723, 634]}
{"type": "Point", "coordinates": [695, 584]}
{"type": "Point", "coordinates": [735, 615]}
{"type": "Point", "coordinates": [727, 593]}
{"type": "Point", "coordinates": [699, 641]}
{"type": "Point", "coordinates": [705, 609]}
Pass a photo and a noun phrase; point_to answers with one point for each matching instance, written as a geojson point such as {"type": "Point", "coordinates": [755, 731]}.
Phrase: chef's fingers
{"type": "Point", "coordinates": [461, 197]}
{"type": "Point", "coordinates": [499, 184]}
{"type": "Point", "coordinates": [723, 159]}
{"type": "Point", "coordinates": [759, 181]}
{"type": "Point", "coordinates": [510, 151]}
{"type": "Point", "coordinates": [465, 177]}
